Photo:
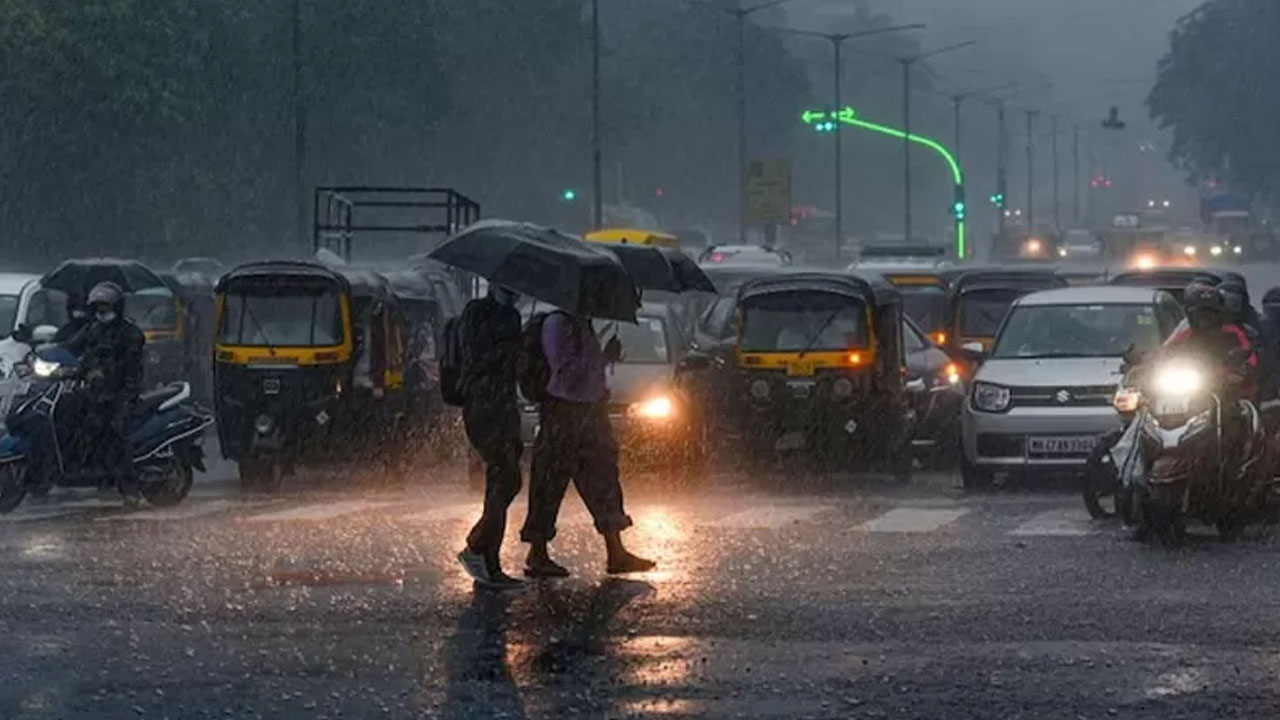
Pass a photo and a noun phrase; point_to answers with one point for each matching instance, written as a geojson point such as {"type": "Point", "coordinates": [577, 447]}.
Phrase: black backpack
{"type": "Point", "coordinates": [532, 371]}
{"type": "Point", "coordinates": [452, 361]}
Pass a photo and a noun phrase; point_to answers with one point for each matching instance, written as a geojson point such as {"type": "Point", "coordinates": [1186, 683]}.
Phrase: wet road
{"type": "Point", "coordinates": [849, 598]}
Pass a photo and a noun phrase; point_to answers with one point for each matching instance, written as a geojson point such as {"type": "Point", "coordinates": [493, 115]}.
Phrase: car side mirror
{"type": "Point", "coordinates": [43, 334]}
{"type": "Point", "coordinates": [973, 351]}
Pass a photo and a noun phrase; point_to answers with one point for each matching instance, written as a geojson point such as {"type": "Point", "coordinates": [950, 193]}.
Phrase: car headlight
{"type": "Point", "coordinates": [1189, 250]}
{"type": "Point", "coordinates": [657, 408]}
{"type": "Point", "coordinates": [990, 398]}
{"type": "Point", "coordinates": [950, 375]}
{"type": "Point", "coordinates": [45, 368]}
{"type": "Point", "coordinates": [1127, 400]}
{"type": "Point", "coordinates": [1178, 380]}
{"type": "Point", "coordinates": [1237, 250]}
{"type": "Point", "coordinates": [1216, 250]}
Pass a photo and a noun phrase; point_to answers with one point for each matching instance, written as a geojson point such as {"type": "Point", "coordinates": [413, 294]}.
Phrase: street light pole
{"type": "Point", "coordinates": [299, 132]}
{"type": "Point", "coordinates": [1031, 164]}
{"type": "Point", "coordinates": [1075, 176]}
{"type": "Point", "coordinates": [907, 62]}
{"type": "Point", "coordinates": [742, 126]}
{"type": "Point", "coordinates": [597, 173]}
{"type": "Point", "coordinates": [1057, 219]}
{"type": "Point", "coordinates": [1002, 166]}
{"type": "Point", "coordinates": [836, 40]}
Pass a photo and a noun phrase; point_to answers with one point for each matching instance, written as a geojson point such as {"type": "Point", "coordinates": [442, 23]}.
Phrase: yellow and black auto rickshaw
{"type": "Point", "coordinates": [308, 366]}
{"type": "Point", "coordinates": [980, 299]}
{"type": "Point", "coordinates": [632, 236]}
{"type": "Point", "coordinates": [924, 294]}
{"type": "Point", "coordinates": [820, 366]}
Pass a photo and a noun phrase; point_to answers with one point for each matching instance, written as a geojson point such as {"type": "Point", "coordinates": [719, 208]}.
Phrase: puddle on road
{"type": "Point", "coordinates": [329, 578]}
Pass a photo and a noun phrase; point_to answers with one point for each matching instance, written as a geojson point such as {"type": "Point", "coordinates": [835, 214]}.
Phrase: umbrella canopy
{"type": "Point", "coordinates": [77, 277]}
{"type": "Point", "coordinates": [664, 269]}
{"type": "Point", "coordinates": [546, 265]}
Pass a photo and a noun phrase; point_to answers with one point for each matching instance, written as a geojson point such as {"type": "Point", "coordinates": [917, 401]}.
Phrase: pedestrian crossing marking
{"type": "Point", "coordinates": [320, 511]}
{"type": "Point", "coordinates": [770, 517]}
{"type": "Point", "coordinates": [1060, 522]}
{"type": "Point", "coordinates": [913, 520]}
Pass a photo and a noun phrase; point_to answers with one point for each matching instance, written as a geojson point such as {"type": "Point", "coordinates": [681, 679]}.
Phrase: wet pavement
{"type": "Point", "coordinates": [837, 598]}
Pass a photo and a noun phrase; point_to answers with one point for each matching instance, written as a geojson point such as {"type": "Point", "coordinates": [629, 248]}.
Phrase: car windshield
{"type": "Point", "coordinates": [152, 309]}
{"type": "Point", "coordinates": [1041, 331]}
{"type": "Point", "coordinates": [982, 311]}
{"type": "Point", "coordinates": [643, 343]}
{"type": "Point", "coordinates": [796, 321]}
{"type": "Point", "coordinates": [275, 316]}
{"type": "Point", "coordinates": [926, 305]}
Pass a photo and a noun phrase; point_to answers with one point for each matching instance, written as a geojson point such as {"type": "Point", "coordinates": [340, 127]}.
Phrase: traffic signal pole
{"type": "Point", "coordinates": [597, 172]}
{"type": "Point", "coordinates": [836, 43]}
{"type": "Point", "coordinates": [1002, 167]}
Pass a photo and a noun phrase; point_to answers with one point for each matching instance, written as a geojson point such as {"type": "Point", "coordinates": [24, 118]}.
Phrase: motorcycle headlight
{"type": "Point", "coordinates": [45, 368]}
{"type": "Point", "coordinates": [657, 408]}
{"type": "Point", "coordinates": [951, 374]}
{"type": "Point", "coordinates": [1178, 380]}
{"type": "Point", "coordinates": [990, 398]}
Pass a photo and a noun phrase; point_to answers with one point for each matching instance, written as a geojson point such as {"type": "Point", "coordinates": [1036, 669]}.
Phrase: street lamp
{"type": "Point", "coordinates": [837, 40]}
{"type": "Point", "coordinates": [907, 63]}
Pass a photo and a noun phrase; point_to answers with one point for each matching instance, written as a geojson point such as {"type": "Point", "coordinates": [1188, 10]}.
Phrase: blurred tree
{"type": "Point", "coordinates": [1215, 91]}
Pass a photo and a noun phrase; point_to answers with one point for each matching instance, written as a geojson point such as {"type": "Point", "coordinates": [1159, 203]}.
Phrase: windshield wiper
{"type": "Point", "coordinates": [271, 349]}
{"type": "Point", "coordinates": [813, 340]}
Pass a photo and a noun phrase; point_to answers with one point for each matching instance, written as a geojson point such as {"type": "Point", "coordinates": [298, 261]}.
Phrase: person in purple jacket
{"type": "Point", "coordinates": [575, 441]}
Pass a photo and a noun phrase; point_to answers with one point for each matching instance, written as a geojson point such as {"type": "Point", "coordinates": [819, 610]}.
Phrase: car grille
{"type": "Point", "coordinates": [1085, 396]}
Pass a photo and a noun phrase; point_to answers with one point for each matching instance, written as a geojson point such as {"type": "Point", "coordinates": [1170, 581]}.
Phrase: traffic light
{"type": "Point", "coordinates": [957, 204]}
{"type": "Point", "coordinates": [569, 195]}
{"type": "Point", "coordinates": [825, 126]}
{"type": "Point", "coordinates": [997, 199]}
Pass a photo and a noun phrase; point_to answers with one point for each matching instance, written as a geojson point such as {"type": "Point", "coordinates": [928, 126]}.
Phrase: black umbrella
{"type": "Point", "coordinates": [544, 264]}
{"type": "Point", "coordinates": [663, 269]}
{"type": "Point", "coordinates": [77, 277]}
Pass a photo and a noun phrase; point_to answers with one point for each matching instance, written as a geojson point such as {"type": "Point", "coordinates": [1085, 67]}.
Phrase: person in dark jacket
{"type": "Point", "coordinates": [77, 318]}
{"type": "Point", "coordinates": [1240, 311]}
{"type": "Point", "coordinates": [110, 349]}
{"type": "Point", "coordinates": [490, 339]}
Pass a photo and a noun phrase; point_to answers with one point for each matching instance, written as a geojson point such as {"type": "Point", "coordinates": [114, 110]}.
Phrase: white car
{"type": "Point", "coordinates": [1043, 396]}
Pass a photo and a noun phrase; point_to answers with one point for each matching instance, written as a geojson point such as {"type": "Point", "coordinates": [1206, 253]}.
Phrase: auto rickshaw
{"type": "Point", "coordinates": [308, 367]}
{"type": "Point", "coordinates": [980, 299]}
{"type": "Point", "coordinates": [632, 236]}
{"type": "Point", "coordinates": [820, 366]}
{"type": "Point", "coordinates": [924, 293]}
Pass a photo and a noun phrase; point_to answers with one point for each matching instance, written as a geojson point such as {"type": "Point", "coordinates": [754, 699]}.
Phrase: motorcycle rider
{"type": "Point", "coordinates": [1240, 311]}
{"type": "Point", "coordinates": [77, 318]}
{"type": "Point", "coordinates": [110, 351]}
{"type": "Point", "coordinates": [1211, 336]}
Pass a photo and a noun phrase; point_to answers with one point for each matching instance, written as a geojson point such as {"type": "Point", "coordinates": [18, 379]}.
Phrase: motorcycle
{"type": "Point", "coordinates": [1201, 457]}
{"type": "Point", "coordinates": [44, 447]}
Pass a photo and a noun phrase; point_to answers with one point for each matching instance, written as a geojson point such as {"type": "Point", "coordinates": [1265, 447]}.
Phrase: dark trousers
{"type": "Point", "coordinates": [106, 417]}
{"type": "Point", "coordinates": [575, 442]}
{"type": "Point", "coordinates": [494, 431]}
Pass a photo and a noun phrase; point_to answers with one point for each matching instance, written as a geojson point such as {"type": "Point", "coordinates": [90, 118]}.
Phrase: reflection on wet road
{"type": "Point", "coordinates": [856, 598]}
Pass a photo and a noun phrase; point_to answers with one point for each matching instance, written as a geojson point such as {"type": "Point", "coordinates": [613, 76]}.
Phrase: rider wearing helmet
{"type": "Point", "coordinates": [1211, 336]}
{"type": "Point", "coordinates": [110, 352]}
{"type": "Point", "coordinates": [77, 318]}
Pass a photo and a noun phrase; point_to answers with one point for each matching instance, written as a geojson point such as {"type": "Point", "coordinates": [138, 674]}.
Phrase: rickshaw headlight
{"type": "Point", "coordinates": [760, 390]}
{"type": "Point", "coordinates": [990, 398]}
{"type": "Point", "coordinates": [842, 388]}
{"type": "Point", "coordinates": [264, 424]}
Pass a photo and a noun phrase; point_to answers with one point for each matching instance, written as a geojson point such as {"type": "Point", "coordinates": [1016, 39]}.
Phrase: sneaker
{"type": "Point", "coordinates": [474, 564]}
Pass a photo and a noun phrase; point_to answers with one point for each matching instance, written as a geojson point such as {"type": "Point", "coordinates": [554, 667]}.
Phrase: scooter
{"type": "Point", "coordinates": [165, 430]}
{"type": "Point", "coordinates": [1190, 467]}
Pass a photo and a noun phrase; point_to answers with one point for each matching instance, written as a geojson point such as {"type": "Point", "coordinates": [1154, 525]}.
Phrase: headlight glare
{"type": "Point", "coordinates": [45, 368]}
{"type": "Point", "coordinates": [990, 398]}
{"type": "Point", "coordinates": [657, 408]}
{"type": "Point", "coordinates": [1178, 380]}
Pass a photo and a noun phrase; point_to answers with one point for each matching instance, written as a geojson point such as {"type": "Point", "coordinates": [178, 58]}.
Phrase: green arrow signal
{"type": "Point", "coordinates": [811, 116]}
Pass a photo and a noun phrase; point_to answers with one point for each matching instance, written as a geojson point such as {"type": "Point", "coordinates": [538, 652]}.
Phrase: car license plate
{"type": "Point", "coordinates": [1073, 444]}
{"type": "Point", "coordinates": [801, 368]}
{"type": "Point", "coordinates": [1173, 405]}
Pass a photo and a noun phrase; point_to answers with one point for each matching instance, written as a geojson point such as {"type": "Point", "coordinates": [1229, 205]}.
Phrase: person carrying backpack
{"type": "Point", "coordinates": [563, 366]}
{"type": "Point", "coordinates": [478, 371]}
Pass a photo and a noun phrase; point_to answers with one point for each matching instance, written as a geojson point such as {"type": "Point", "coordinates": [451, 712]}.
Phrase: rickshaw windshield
{"type": "Point", "coordinates": [152, 309]}
{"type": "Point", "coordinates": [276, 315]}
{"type": "Point", "coordinates": [982, 311]}
{"type": "Point", "coordinates": [925, 304]}
{"type": "Point", "coordinates": [802, 321]}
